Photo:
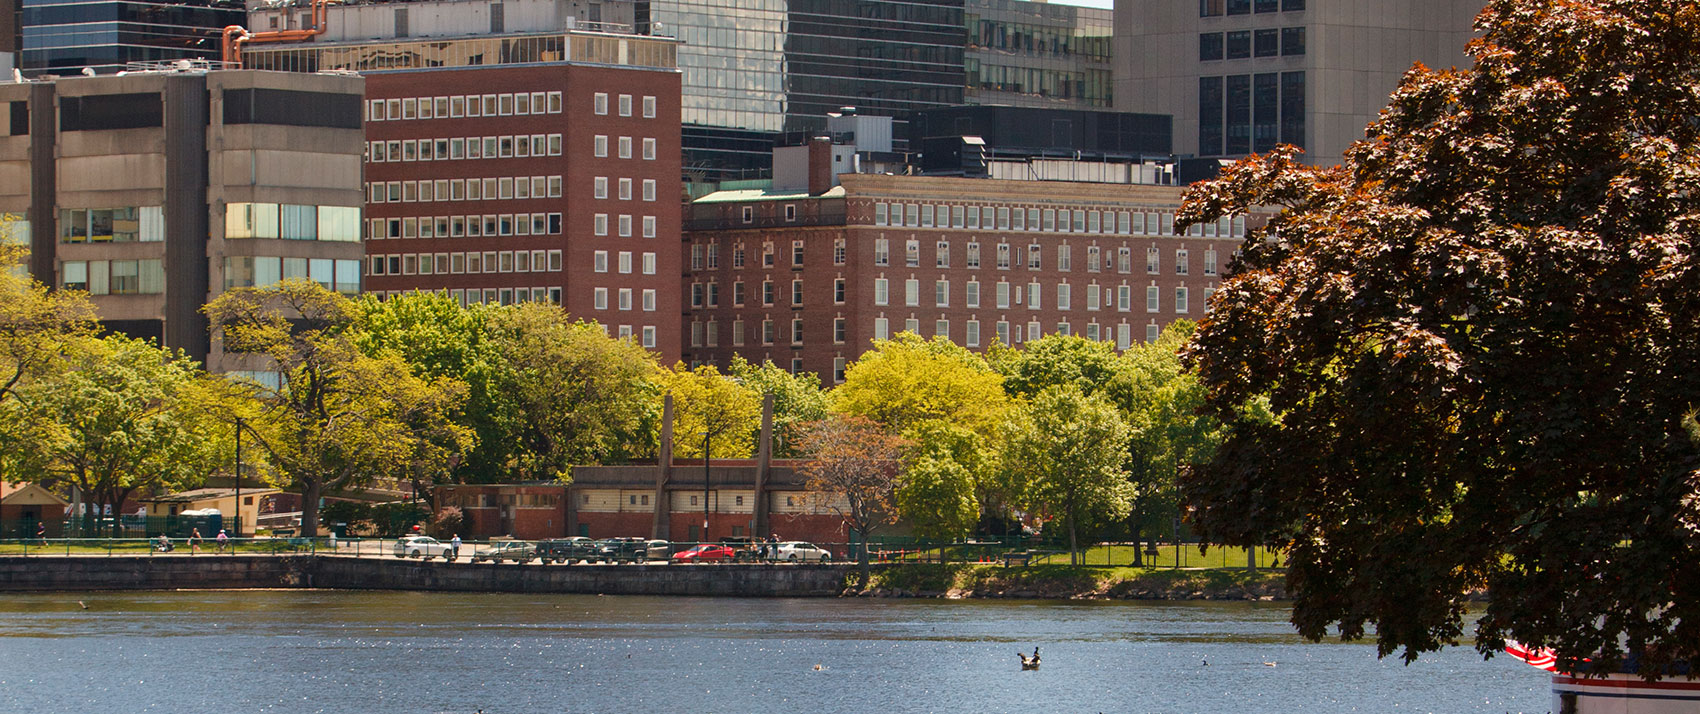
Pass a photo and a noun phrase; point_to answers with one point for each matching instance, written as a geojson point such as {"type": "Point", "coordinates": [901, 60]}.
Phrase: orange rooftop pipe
{"type": "Point", "coordinates": [235, 36]}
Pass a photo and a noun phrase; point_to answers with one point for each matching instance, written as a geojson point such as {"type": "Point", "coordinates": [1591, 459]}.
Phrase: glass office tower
{"type": "Point", "coordinates": [757, 69]}
{"type": "Point", "coordinates": [67, 35]}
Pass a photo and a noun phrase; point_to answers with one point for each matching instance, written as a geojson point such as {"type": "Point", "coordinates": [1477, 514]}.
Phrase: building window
{"type": "Point", "coordinates": [1209, 46]}
{"type": "Point", "coordinates": [649, 107]}
{"type": "Point", "coordinates": [838, 291]}
{"type": "Point", "coordinates": [882, 252]}
{"type": "Point", "coordinates": [839, 328]}
{"type": "Point", "coordinates": [1153, 298]}
{"type": "Point", "coordinates": [1180, 300]}
{"type": "Point", "coordinates": [971, 294]}
{"type": "Point", "coordinates": [912, 293]}
{"type": "Point", "coordinates": [1292, 41]}
{"type": "Point", "coordinates": [1266, 43]}
{"type": "Point", "coordinates": [882, 291]}
{"type": "Point", "coordinates": [941, 293]}
{"type": "Point", "coordinates": [600, 105]}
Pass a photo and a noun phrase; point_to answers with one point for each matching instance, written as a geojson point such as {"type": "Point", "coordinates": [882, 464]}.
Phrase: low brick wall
{"type": "Point", "coordinates": [18, 574]}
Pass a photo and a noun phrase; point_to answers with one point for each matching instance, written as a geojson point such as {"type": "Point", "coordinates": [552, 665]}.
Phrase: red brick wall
{"type": "Point", "coordinates": [616, 525]}
{"type": "Point", "coordinates": [578, 125]}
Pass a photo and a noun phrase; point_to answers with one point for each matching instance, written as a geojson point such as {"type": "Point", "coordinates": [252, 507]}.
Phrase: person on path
{"type": "Point", "coordinates": [454, 546]}
{"type": "Point", "coordinates": [41, 532]}
{"type": "Point", "coordinates": [164, 543]}
{"type": "Point", "coordinates": [223, 541]}
{"type": "Point", "coordinates": [194, 541]}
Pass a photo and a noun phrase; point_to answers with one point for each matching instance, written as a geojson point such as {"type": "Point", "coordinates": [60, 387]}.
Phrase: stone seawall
{"type": "Point", "coordinates": [20, 574]}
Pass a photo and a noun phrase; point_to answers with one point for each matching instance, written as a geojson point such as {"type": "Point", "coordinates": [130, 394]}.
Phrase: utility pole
{"type": "Point", "coordinates": [705, 438]}
{"type": "Point", "coordinates": [237, 516]}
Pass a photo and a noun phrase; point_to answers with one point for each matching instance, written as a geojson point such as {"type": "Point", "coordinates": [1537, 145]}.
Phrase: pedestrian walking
{"type": "Point", "coordinates": [194, 541]}
{"type": "Point", "coordinates": [454, 547]}
{"type": "Point", "coordinates": [223, 541]}
{"type": "Point", "coordinates": [41, 532]}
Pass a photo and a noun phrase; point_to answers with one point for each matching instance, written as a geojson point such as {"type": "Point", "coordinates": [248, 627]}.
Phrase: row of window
{"type": "Point", "coordinates": [502, 224]}
{"type": "Point", "coordinates": [292, 222]}
{"type": "Point", "coordinates": [1123, 334]}
{"type": "Point", "coordinates": [623, 225]}
{"type": "Point", "coordinates": [708, 294]}
{"type": "Point", "coordinates": [113, 277]}
{"type": "Point", "coordinates": [1006, 295]}
{"type": "Point", "coordinates": [600, 188]}
{"type": "Point", "coordinates": [1217, 8]}
{"type": "Point", "coordinates": [623, 144]}
{"type": "Point", "coordinates": [623, 299]}
{"type": "Point", "coordinates": [1047, 220]}
{"type": "Point", "coordinates": [262, 271]}
{"type": "Point", "coordinates": [708, 254]}
{"type": "Point", "coordinates": [509, 296]}
{"type": "Point", "coordinates": [1243, 44]}
{"type": "Point", "coordinates": [707, 333]}
{"type": "Point", "coordinates": [1245, 113]}
{"type": "Point", "coordinates": [599, 262]}
{"type": "Point", "coordinates": [490, 261]}
{"type": "Point", "coordinates": [129, 224]}
{"type": "Point", "coordinates": [513, 146]}
{"type": "Point", "coordinates": [1007, 256]}
{"type": "Point", "coordinates": [464, 105]}
{"type": "Point", "coordinates": [502, 188]}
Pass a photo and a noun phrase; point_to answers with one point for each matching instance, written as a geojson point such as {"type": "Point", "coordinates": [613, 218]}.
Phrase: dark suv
{"type": "Point", "coordinates": [566, 550]}
{"type": "Point", "coordinates": [622, 550]}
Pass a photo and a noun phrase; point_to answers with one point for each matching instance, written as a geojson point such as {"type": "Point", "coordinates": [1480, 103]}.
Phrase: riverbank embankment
{"type": "Point", "coordinates": [1063, 582]}
{"type": "Point", "coordinates": [84, 573]}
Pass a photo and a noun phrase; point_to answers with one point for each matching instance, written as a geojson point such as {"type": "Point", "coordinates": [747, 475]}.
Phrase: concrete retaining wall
{"type": "Point", "coordinates": [262, 571]}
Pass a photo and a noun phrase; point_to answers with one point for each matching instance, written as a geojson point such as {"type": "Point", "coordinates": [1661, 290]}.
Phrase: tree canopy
{"type": "Point", "coordinates": [1477, 339]}
{"type": "Point", "coordinates": [1065, 455]}
{"type": "Point", "coordinates": [797, 400]}
{"type": "Point", "coordinates": [907, 380]}
{"type": "Point", "coordinates": [706, 402]}
{"type": "Point", "coordinates": [337, 417]}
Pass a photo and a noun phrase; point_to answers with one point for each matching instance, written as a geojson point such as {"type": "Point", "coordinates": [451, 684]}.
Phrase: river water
{"type": "Point", "coordinates": [323, 651]}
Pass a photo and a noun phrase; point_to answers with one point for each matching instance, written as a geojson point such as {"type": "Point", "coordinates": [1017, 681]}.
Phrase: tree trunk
{"type": "Point", "coordinates": [310, 490]}
{"type": "Point", "coordinates": [862, 558]}
{"type": "Point", "coordinates": [1251, 559]}
{"type": "Point", "coordinates": [1138, 547]}
{"type": "Point", "coordinates": [1073, 549]}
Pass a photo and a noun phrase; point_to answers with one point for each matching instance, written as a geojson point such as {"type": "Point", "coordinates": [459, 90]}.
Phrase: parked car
{"type": "Point", "coordinates": [658, 549]}
{"type": "Point", "coordinates": [517, 551]}
{"type": "Point", "coordinates": [705, 553]}
{"type": "Point", "coordinates": [422, 547]}
{"type": "Point", "coordinates": [622, 550]}
{"type": "Point", "coordinates": [566, 550]}
{"type": "Point", "coordinates": [796, 550]}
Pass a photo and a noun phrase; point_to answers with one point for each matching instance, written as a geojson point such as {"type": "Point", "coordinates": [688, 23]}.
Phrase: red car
{"type": "Point", "coordinates": [704, 553]}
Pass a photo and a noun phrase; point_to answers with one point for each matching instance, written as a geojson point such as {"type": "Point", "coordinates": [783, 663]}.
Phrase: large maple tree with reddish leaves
{"type": "Point", "coordinates": [1479, 338]}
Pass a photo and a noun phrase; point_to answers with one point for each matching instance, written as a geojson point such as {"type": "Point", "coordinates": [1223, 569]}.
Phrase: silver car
{"type": "Point", "coordinates": [800, 551]}
{"type": "Point", "coordinates": [423, 548]}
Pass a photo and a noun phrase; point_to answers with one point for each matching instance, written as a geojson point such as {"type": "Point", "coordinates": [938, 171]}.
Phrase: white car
{"type": "Point", "coordinates": [422, 547]}
{"type": "Point", "coordinates": [799, 551]}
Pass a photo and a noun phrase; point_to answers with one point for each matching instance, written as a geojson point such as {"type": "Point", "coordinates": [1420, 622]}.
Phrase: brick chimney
{"type": "Point", "coordinates": [820, 165]}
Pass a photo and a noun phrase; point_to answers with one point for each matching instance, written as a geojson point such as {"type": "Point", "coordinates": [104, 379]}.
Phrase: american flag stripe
{"type": "Point", "coordinates": [1540, 658]}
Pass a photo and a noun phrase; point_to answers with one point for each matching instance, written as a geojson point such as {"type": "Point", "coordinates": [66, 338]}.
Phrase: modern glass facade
{"type": "Point", "coordinates": [71, 34]}
{"type": "Point", "coordinates": [756, 69]}
{"type": "Point", "coordinates": [1038, 54]}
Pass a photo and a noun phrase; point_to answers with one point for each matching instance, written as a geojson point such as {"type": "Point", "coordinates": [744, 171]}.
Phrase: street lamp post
{"type": "Point", "coordinates": [705, 437]}
{"type": "Point", "coordinates": [236, 525]}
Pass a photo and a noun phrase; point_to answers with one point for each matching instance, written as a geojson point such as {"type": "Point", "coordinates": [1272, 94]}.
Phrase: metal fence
{"type": "Point", "coordinates": [1006, 552]}
{"type": "Point", "coordinates": [127, 526]}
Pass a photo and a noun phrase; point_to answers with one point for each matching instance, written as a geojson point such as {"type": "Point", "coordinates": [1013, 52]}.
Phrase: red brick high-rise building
{"type": "Point", "coordinates": [527, 167]}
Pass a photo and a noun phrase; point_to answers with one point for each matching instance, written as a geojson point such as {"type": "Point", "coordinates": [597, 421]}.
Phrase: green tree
{"type": "Point", "coordinates": [707, 404]}
{"type": "Point", "coordinates": [1170, 432]}
{"type": "Point", "coordinates": [580, 396]}
{"type": "Point", "coordinates": [797, 399]}
{"type": "Point", "coordinates": [1477, 342]}
{"type": "Point", "coordinates": [1056, 360]}
{"type": "Point", "coordinates": [35, 323]}
{"type": "Point", "coordinates": [122, 415]}
{"type": "Point", "coordinates": [907, 380]}
{"type": "Point", "coordinates": [338, 417]}
{"type": "Point", "coordinates": [1065, 453]}
{"type": "Point", "coordinates": [438, 338]}
{"type": "Point", "coordinates": [950, 475]}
